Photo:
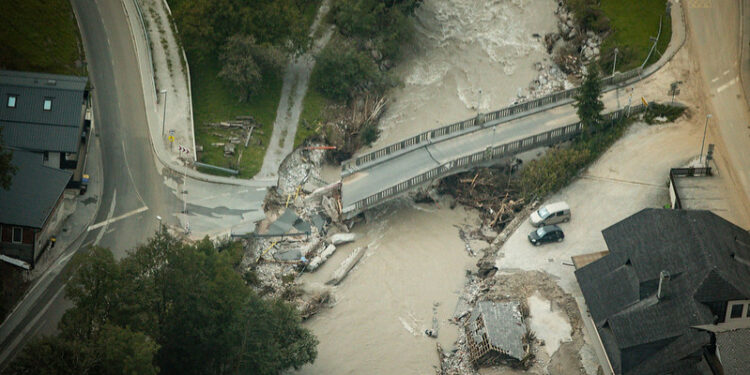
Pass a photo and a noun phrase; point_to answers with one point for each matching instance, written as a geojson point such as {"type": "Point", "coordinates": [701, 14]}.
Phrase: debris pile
{"type": "Point", "coordinates": [301, 231]}
{"type": "Point", "coordinates": [489, 190]}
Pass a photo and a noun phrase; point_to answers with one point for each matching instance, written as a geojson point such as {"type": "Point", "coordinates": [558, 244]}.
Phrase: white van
{"type": "Point", "coordinates": [552, 213]}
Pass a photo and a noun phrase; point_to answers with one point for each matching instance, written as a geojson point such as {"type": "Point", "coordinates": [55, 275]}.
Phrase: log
{"type": "Point", "coordinates": [347, 266]}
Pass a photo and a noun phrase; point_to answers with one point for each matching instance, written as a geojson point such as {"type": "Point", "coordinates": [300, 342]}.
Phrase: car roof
{"type": "Point", "coordinates": [551, 228]}
{"type": "Point", "coordinates": [557, 206]}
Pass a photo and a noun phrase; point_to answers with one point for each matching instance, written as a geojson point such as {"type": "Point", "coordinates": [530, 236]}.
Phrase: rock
{"type": "Point", "coordinates": [340, 238]}
{"type": "Point", "coordinates": [488, 233]}
{"type": "Point", "coordinates": [288, 256]}
{"type": "Point", "coordinates": [329, 250]}
{"type": "Point", "coordinates": [572, 34]}
{"type": "Point", "coordinates": [538, 66]}
{"type": "Point", "coordinates": [542, 80]}
{"type": "Point", "coordinates": [376, 55]}
{"type": "Point", "coordinates": [564, 28]}
{"type": "Point", "coordinates": [549, 41]}
{"type": "Point", "coordinates": [590, 34]}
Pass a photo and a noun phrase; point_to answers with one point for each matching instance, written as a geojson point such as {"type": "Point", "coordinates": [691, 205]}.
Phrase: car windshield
{"type": "Point", "coordinates": [543, 213]}
{"type": "Point", "coordinates": [540, 232]}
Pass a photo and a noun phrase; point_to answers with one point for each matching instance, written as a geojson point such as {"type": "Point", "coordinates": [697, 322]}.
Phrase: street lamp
{"type": "Point", "coordinates": [705, 127]}
{"type": "Point", "coordinates": [615, 63]}
{"type": "Point", "coordinates": [160, 223]}
{"type": "Point", "coordinates": [164, 116]}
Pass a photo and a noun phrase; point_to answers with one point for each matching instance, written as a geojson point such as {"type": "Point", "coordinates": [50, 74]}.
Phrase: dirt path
{"type": "Point", "coordinates": [293, 91]}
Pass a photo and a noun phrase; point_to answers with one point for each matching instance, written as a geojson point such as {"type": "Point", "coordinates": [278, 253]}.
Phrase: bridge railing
{"type": "Point", "coordinates": [461, 127]}
{"type": "Point", "coordinates": [484, 157]}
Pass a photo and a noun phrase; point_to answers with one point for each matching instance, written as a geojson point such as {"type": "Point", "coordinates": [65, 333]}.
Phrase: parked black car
{"type": "Point", "coordinates": [547, 233]}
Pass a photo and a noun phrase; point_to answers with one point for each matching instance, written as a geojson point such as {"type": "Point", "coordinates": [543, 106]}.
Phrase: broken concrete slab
{"type": "Point", "coordinates": [341, 238]}
{"type": "Point", "coordinates": [288, 256]}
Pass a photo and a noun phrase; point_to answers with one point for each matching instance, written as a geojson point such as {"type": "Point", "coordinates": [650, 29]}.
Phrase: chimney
{"type": "Point", "coordinates": [663, 284]}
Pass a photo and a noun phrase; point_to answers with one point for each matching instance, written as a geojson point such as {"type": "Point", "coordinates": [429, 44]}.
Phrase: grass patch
{"type": "Point", "coordinates": [633, 22]}
{"type": "Point", "coordinates": [40, 36]}
{"type": "Point", "coordinates": [311, 118]}
{"type": "Point", "coordinates": [214, 100]}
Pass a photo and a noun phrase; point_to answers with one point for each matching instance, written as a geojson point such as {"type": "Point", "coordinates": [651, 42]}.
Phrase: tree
{"type": "Point", "coordinates": [168, 307]}
{"type": "Point", "coordinates": [588, 101]}
{"type": "Point", "coordinates": [7, 170]}
{"type": "Point", "coordinates": [341, 69]}
{"type": "Point", "coordinates": [245, 61]}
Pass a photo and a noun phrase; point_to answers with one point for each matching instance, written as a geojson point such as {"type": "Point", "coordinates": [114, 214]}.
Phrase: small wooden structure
{"type": "Point", "coordinates": [495, 333]}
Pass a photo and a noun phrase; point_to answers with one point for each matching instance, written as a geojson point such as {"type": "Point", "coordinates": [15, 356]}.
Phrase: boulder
{"type": "Point", "coordinates": [341, 238]}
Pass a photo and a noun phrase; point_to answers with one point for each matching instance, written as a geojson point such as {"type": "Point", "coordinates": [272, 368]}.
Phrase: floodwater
{"type": "Point", "coordinates": [468, 56]}
{"type": "Point", "coordinates": [415, 262]}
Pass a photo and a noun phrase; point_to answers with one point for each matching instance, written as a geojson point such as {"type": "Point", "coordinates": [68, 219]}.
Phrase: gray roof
{"type": "Point", "coordinates": [734, 351]}
{"type": "Point", "coordinates": [503, 325]}
{"type": "Point", "coordinates": [34, 192]}
{"type": "Point", "coordinates": [698, 249]}
{"type": "Point", "coordinates": [28, 125]}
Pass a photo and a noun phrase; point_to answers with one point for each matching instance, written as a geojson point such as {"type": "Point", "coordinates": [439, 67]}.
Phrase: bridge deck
{"type": "Point", "coordinates": [376, 178]}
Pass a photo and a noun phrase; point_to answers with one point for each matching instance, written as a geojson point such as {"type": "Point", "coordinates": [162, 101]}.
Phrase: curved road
{"type": "Point", "coordinates": [130, 177]}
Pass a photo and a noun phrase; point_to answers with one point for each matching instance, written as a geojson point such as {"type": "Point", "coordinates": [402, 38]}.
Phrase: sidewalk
{"type": "Point", "coordinates": [179, 107]}
{"type": "Point", "coordinates": [297, 77]}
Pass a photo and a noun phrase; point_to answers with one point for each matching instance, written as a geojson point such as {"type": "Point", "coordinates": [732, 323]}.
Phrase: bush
{"type": "Point", "coordinates": [589, 16]}
{"type": "Point", "coordinates": [384, 23]}
{"type": "Point", "coordinates": [369, 134]}
{"type": "Point", "coordinates": [655, 110]}
{"type": "Point", "coordinates": [341, 70]}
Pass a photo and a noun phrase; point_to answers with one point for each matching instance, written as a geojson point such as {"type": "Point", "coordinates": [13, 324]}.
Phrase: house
{"type": "Point", "coordinates": [46, 114]}
{"type": "Point", "coordinates": [30, 210]}
{"type": "Point", "coordinates": [495, 332]}
{"type": "Point", "coordinates": [672, 282]}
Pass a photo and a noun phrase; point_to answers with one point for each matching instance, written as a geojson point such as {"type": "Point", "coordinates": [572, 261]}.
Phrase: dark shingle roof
{"type": "Point", "coordinates": [698, 249]}
{"type": "Point", "coordinates": [29, 123]}
{"type": "Point", "coordinates": [734, 350]}
{"type": "Point", "coordinates": [34, 191]}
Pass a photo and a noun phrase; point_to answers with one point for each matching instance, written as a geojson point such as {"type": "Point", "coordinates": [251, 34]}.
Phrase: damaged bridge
{"type": "Point", "coordinates": [486, 140]}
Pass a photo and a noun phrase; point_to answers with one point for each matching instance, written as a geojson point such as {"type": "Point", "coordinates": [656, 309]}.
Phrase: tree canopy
{"type": "Point", "coordinates": [206, 25]}
{"type": "Point", "coordinates": [588, 100]}
{"type": "Point", "coordinates": [172, 308]}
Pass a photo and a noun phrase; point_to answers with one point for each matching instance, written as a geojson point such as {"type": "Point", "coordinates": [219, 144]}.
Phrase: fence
{"type": "Point", "coordinates": [462, 127]}
{"type": "Point", "coordinates": [484, 157]}
{"type": "Point", "coordinates": [674, 195]}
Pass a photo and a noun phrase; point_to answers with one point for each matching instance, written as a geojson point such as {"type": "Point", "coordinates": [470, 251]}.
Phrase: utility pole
{"type": "Point", "coordinates": [615, 63]}
{"type": "Point", "coordinates": [705, 127]}
{"type": "Point", "coordinates": [164, 115]}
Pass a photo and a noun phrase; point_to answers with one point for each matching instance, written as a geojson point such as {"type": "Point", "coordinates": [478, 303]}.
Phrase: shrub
{"type": "Point", "coordinates": [670, 112]}
{"type": "Point", "coordinates": [341, 70]}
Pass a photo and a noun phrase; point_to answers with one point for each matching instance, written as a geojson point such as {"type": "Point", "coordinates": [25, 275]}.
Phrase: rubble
{"type": "Point", "coordinates": [341, 238]}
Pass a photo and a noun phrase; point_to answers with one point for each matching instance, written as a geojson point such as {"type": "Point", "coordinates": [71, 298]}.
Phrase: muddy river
{"type": "Point", "coordinates": [471, 56]}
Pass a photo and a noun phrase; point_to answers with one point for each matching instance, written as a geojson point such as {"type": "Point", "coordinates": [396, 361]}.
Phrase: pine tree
{"type": "Point", "coordinates": [588, 101]}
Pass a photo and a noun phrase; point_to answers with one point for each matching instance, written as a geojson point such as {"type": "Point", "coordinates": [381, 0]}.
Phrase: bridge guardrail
{"type": "Point", "coordinates": [458, 128]}
{"type": "Point", "coordinates": [482, 157]}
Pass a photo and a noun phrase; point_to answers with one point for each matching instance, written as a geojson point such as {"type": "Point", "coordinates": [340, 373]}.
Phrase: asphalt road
{"type": "Point", "coordinates": [130, 176]}
{"type": "Point", "coordinates": [715, 31]}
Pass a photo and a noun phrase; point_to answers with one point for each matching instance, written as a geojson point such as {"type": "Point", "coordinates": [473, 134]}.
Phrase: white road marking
{"type": "Point", "coordinates": [725, 72]}
{"type": "Point", "coordinates": [726, 85]}
{"type": "Point", "coordinates": [109, 216]}
{"type": "Point", "coordinates": [132, 180]}
{"type": "Point", "coordinates": [260, 189]}
{"type": "Point", "coordinates": [116, 219]}
{"type": "Point", "coordinates": [715, 79]}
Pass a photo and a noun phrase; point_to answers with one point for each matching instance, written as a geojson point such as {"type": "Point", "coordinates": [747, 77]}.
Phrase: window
{"type": "Point", "coordinates": [12, 101]}
{"type": "Point", "coordinates": [17, 234]}
{"type": "Point", "coordinates": [46, 156]}
{"type": "Point", "coordinates": [47, 104]}
{"type": "Point", "coordinates": [736, 311]}
{"type": "Point", "coordinates": [747, 315]}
